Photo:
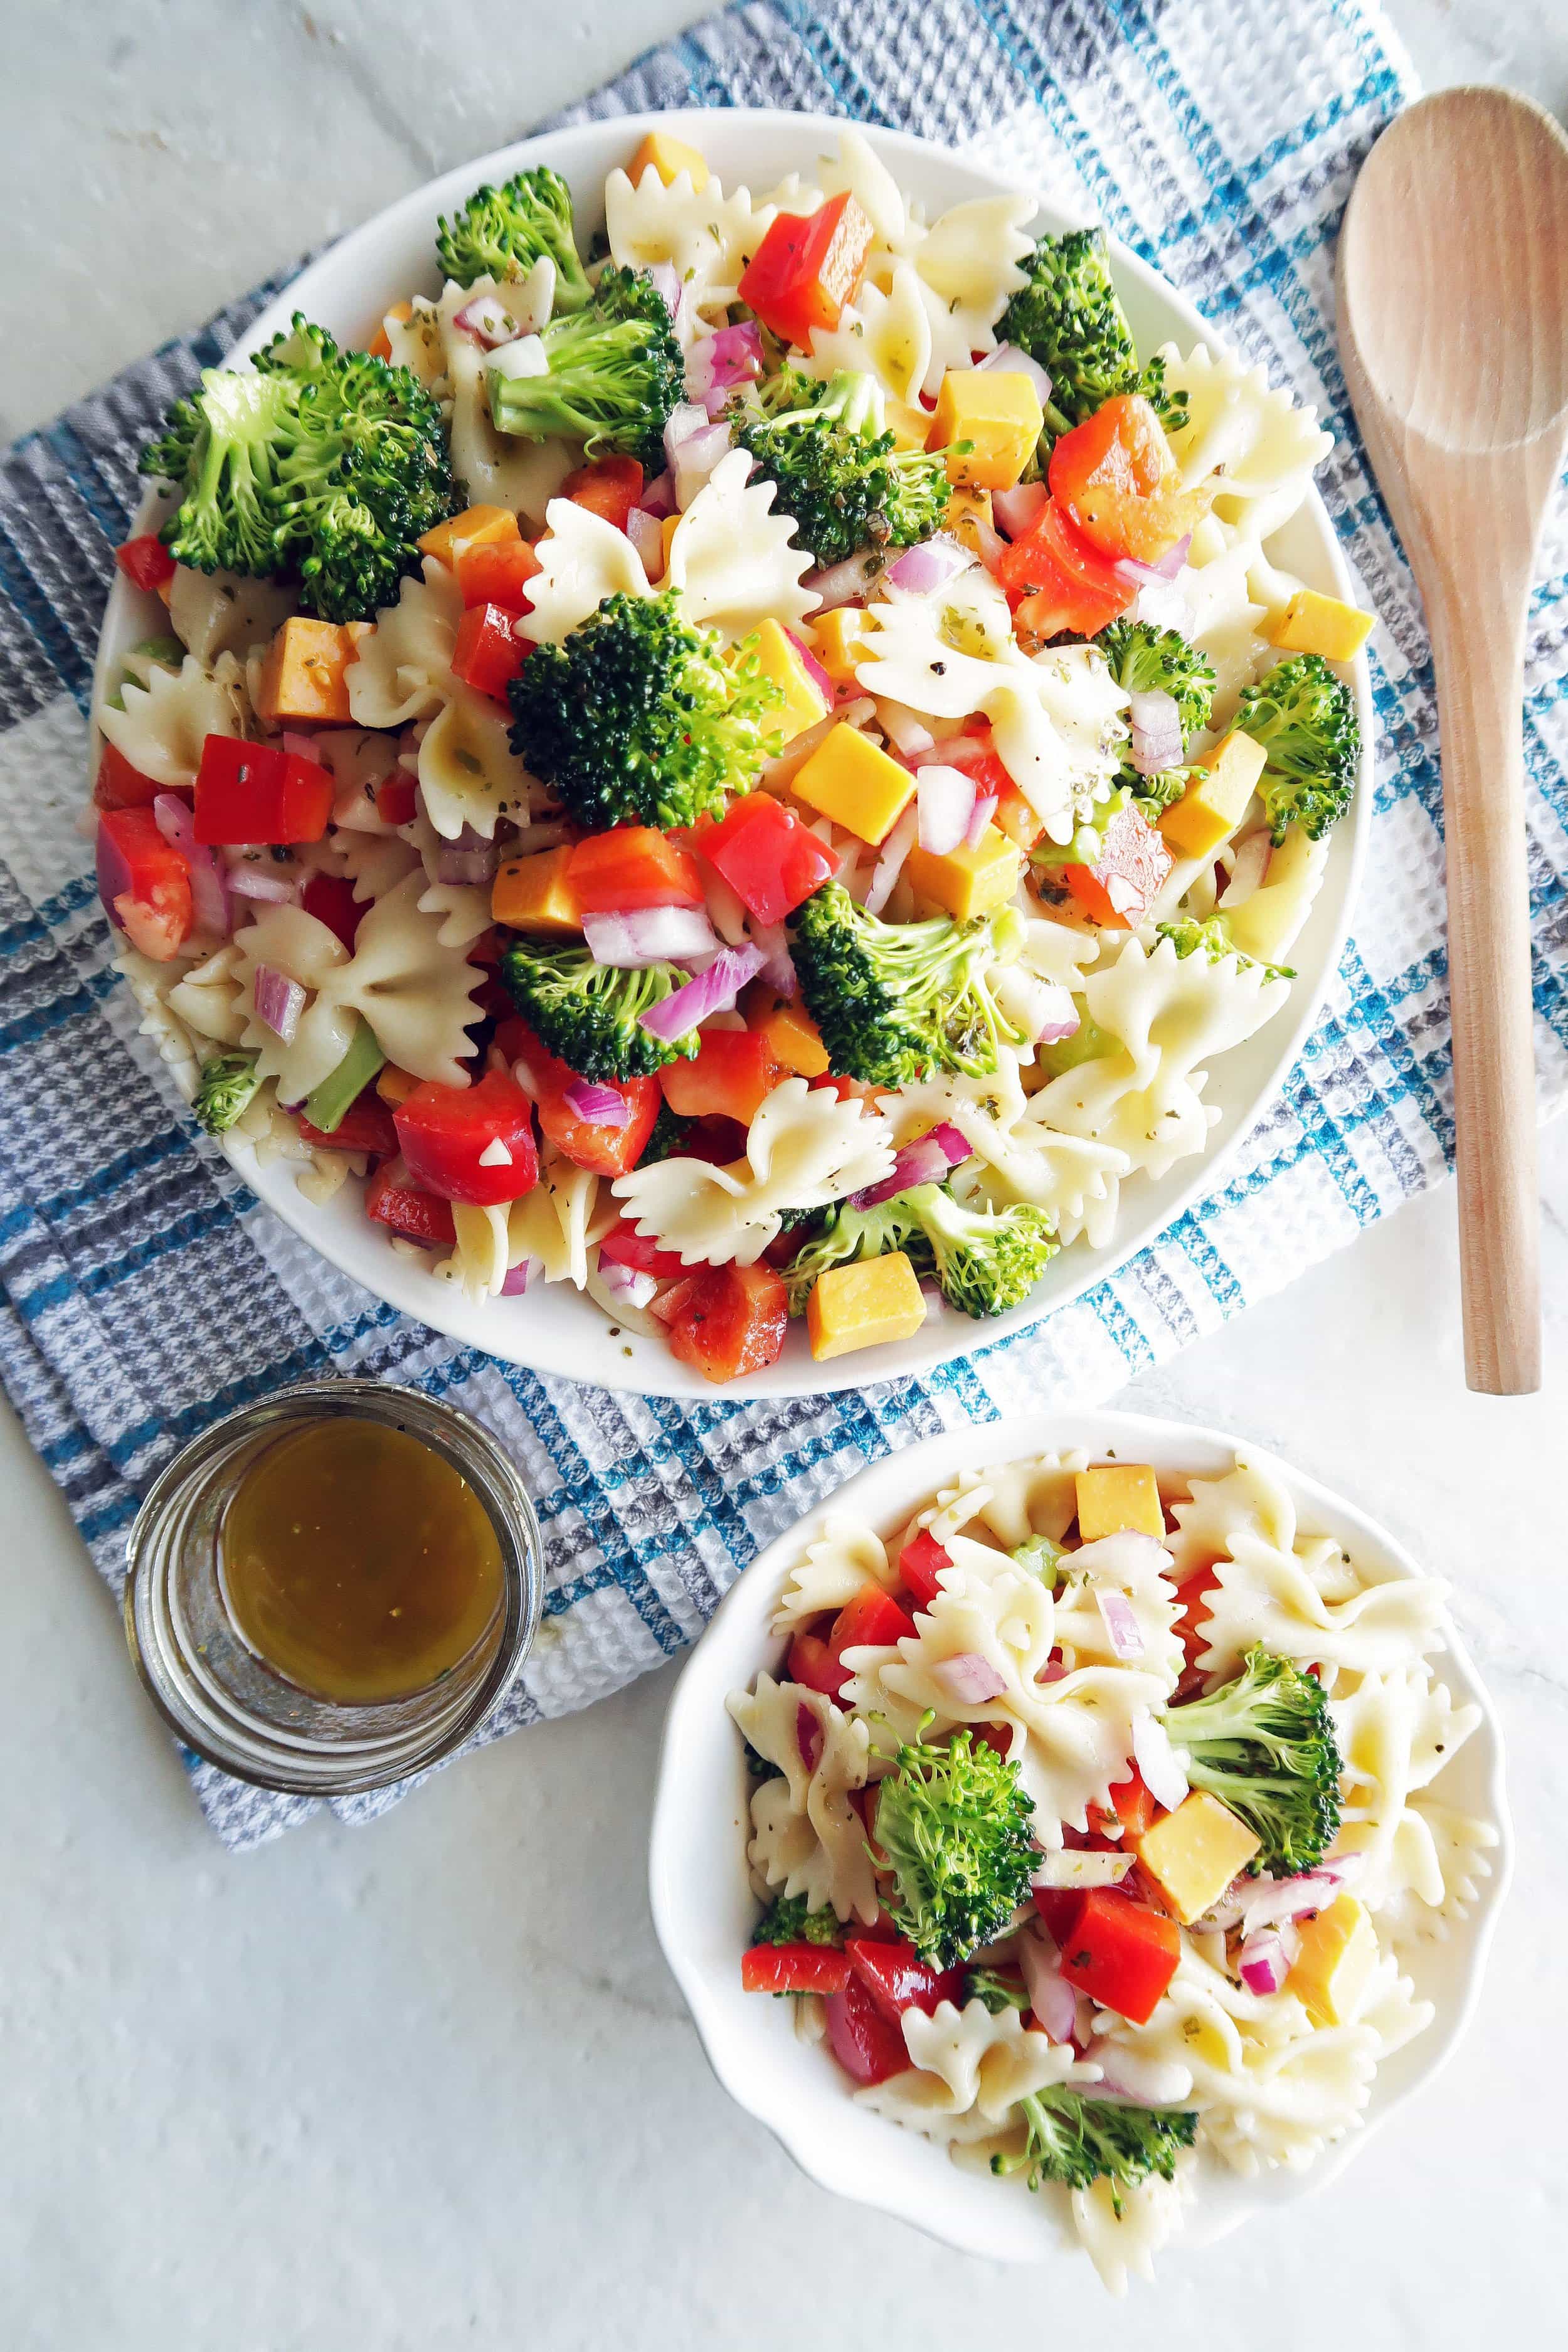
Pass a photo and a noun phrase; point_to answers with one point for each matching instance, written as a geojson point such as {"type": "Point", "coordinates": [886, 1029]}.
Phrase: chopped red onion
{"type": "Point", "coordinates": [1058, 1014]}
{"type": "Point", "coordinates": [1250, 864]}
{"type": "Point", "coordinates": [984, 810]}
{"type": "Point", "coordinates": [516, 1281]}
{"type": "Point", "coordinates": [936, 1305]}
{"type": "Point", "coordinates": [988, 544]}
{"type": "Point", "coordinates": [209, 889]}
{"type": "Point", "coordinates": [280, 1001]}
{"type": "Point", "coordinates": [1157, 739]}
{"type": "Point", "coordinates": [1008, 360]}
{"type": "Point", "coordinates": [668, 281]}
{"type": "Point", "coordinates": [646, 533]}
{"type": "Point", "coordinates": [1090, 1868]}
{"type": "Point", "coordinates": [813, 668]}
{"type": "Point", "coordinates": [906, 733]}
{"type": "Point", "coordinates": [628, 1286]}
{"type": "Point", "coordinates": [738, 353]}
{"type": "Point", "coordinates": [648, 935]}
{"type": "Point", "coordinates": [891, 864]}
{"type": "Point", "coordinates": [929, 566]}
{"type": "Point", "coordinates": [947, 803]}
{"type": "Point", "coordinates": [1015, 511]}
{"type": "Point", "coordinates": [599, 1105]}
{"type": "Point", "coordinates": [1157, 1760]}
{"type": "Point", "coordinates": [456, 864]}
{"type": "Point", "coordinates": [713, 991]}
{"type": "Point", "coordinates": [1267, 1902]}
{"type": "Point", "coordinates": [659, 495]}
{"type": "Point", "coordinates": [486, 321]}
{"type": "Point", "coordinates": [969, 1679]}
{"type": "Point", "coordinates": [964, 752]}
{"type": "Point", "coordinates": [778, 964]}
{"type": "Point", "coordinates": [926, 1161]}
{"type": "Point", "coordinates": [1123, 1630]}
{"type": "Point", "coordinates": [1053, 1671]}
{"type": "Point", "coordinates": [1135, 575]}
{"type": "Point", "coordinates": [1052, 1998]}
{"type": "Point", "coordinates": [300, 746]}
{"type": "Point", "coordinates": [1261, 1963]}
{"type": "Point", "coordinates": [849, 582]}
{"type": "Point", "coordinates": [254, 882]}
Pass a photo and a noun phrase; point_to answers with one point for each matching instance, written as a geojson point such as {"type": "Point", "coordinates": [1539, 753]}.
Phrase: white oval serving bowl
{"type": "Point", "coordinates": [703, 1907]}
{"type": "Point", "coordinates": [555, 1328]}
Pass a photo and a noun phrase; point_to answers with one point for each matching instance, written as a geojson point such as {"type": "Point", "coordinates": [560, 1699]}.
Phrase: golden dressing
{"type": "Point", "coordinates": [358, 1562]}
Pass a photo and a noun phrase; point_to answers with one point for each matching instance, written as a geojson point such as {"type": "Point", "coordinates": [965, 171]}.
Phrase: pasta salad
{"type": "Point", "coordinates": [752, 771]}
{"type": "Point", "coordinates": [1095, 1816]}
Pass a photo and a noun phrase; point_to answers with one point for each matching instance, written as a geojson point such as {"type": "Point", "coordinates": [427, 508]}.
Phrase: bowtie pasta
{"type": "Point", "coordinates": [755, 775]}
{"type": "Point", "coordinates": [1098, 1820]}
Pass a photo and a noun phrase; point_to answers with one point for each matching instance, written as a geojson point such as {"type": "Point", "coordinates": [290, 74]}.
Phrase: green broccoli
{"type": "Point", "coordinates": [1264, 1745]}
{"type": "Point", "coordinates": [225, 1089]}
{"type": "Point", "coordinates": [641, 718]}
{"type": "Point", "coordinates": [837, 471]}
{"type": "Point", "coordinates": [1038, 1556]}
{"type": "Point", "coordinates": [953, 1823]}
{"type": "Point", "coordinates": [1076, 2140]}
{"type": "Point", "coordinates": [1069, 319]}
{"type": "Point", "coordinates": [988, 1260]}
{"type": "Point", "coordinates": [668, 1136]}
{"type": "Point", "coordinates": [502, 232]}
{"type": "Point", "coordinates": [788, 1921]}
{"type": "Point", "coordinates": [849, 1235]}
{"type": "Point", "coordinates": [327, 464]}
{"type": "Point", "coordinates": [585, 1014]}
{"type": "Point", "coordinates": [894, 1001]}
{"type": "Point", "coordinates": [997, 1992]}
{"type": "Point", "coordinates": [615, 374]}
{"type": "Point", "coordinates": [1212, 935]}
{"type": "Point", "coordinates": [1147, 660]}
{"type": "Point", "coordinates": [1304, 717]}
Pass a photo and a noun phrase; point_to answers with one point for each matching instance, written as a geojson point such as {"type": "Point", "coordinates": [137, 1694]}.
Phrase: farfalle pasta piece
{"type": "Point", "coordinates": [804, 1150]}
{"type": "Point", "coordinates": [206, 997]}
{"type": "Point", "coordinates": [969, 264]}
{"type": "Point", "coordinates": [988, 2063]}
{"type": "Point", "coordinates": [1267, 924]}
{"type": "Point", "coordinates": [495, 468]}
{"type": "Point", "coordinates": [1255, 447]}
{"type": "Point", "coordinates": [215, 612]}
{"type": "Point", "coordinates": [733, 561]}
{"type": "Point", "coordinates": [478, 1262]}
{"type": "Point", "coordinates": [1397, 1731]}
{"type": "Point", "coordinates": [884, 332]}
{"type": "Point", "coordinates": [847, 1555]}
{"type": "Point", "coordinates": [582, 559]}
{"type": "Point", "coordinates": [706, 235]}
{"type": "Point", "coordinates": [468, 773]}
{"type": "Point", "coordinates": [402, 670]}
{"type": "Point", "coordinates": [166, 719]}
{"type": "Point", "coordinates": [1121, 2229]}
{"type": "Point", "coordinates": [837, 1870]}
{"type": "Point", "coordinates": [548, 1227]}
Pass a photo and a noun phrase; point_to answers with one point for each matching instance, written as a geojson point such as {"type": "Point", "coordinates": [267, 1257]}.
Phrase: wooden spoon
{"type": "Point", "coordinates": [1453, 283]}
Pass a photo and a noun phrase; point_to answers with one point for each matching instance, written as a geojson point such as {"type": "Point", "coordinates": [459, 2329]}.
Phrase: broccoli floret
{"type": "Point", "coordinates": [1212, 937]}
{"type": "Point", "coordinates": [225, 1089]}
{"type": "Point", "coordinates": [1264, 1745]}
{"type": "Point", "coordinates": [637, 716]}
{"type": "Point", "coordinates": [325, 463]}
{"type": "Point", "coordinates": [849, 1235]}
{"type": "Point", "coordinates": [1304, 717]}
{"type": "Point", "coordinates": [894, 1001]}
{"type": "Point", "coordinates": [1038, 1556]}
{"type": "Point", "coordinates": [585, 1014]}
{"type": "Point", "coordinates": [501, 233]}
{"type": "Point", "coordinates": [837, 471]}
{"type": "Point", "coordinates": [1147, 660]}
{"type": "Point", "coordinates": [1069, 319]}
{"type": "Point", "coordinates": [998, 1992]}
{"type": "Point", "coordinates": [788, 1921]}
{"type": "Point", "coordinates": [1077, 2141]}
{"type": "Point", "coordinates": [953, 1823]}
{"type": "Point", "coordinates": [615, 373]}
{"type": "Point", "coordinates": [667, 1136]}
{"type": "Point", "coordinates": [988, 1260]}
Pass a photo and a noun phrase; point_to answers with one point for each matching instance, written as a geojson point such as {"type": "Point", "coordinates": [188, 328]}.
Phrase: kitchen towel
{"type": "Point", "coordinates": [145, 1290]}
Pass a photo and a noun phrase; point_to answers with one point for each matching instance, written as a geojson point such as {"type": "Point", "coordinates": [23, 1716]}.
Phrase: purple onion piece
{"type": "Point", "coordinates": [713, 991]}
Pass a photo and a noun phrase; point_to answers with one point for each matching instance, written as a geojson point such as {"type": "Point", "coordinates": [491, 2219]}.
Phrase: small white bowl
{"type": "Point", "coordinates": [554, 1329]}
{"type": "Point", "coordinates": [703, 1908]}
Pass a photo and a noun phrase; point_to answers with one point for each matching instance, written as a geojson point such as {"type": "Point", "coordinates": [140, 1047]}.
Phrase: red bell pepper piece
{"type": "Point", "coordinates": [118, 785]}
{"type": "Point", "coordinates": [806, 268]}
{"type": "Point", "coordinates": [391, 1200]}
{"type": "Point", "coordinates": [146, 561]}
{"type": "Point", "coordinates": [610, 486]}
{"type": "Point", "coordinates": [488, 653]}
{"type": "Point", "coordinates": [1121, 1953]}
{"type": "Point", "coordinates": [868, 2045]}
{"type": "Point", "coordinates": [625, 1247]}
{"type": "Point", "coordinates": [606, 1150]}
{"type": "Point", "coordinates": [814, 1665]}
{"type": "Point", "coordinates": [735, 1072]}
{"type": "Point", "coordinates": [632, 865]}
{"type": "Point", "coordinates": [1115, 478]}
{"type": "Point", "coordinates": [872, 1620]}
{"type": "Point", "coordinates": [1064, 585]}
{"type": "Point", "coordinates": [497, 572]}
{"type": "Point", "coordinates": [793, 1967]}
{"type": "Point", "coordinates": [366, 1125]}
{"type": "Point", "coordinates": [1127, 876]}
{"type": "Point", "coordinates": [445, 1133]}
{"type": "Point", "coordinates": [145, 883]}
{"type": "Point", "coordinates": [730, 1320]}
{"type": "Point", "coordinates": [394, 797]}
{"type": "Point", "coordinates": [331, 899]}
{"type": "Point", "coordinates": [1135, 1807]}
{"type": "Point", "coordinates": [918, 1561]}
{"type": "Point", "coordinates": [771, 861]}
{"type": "Point", "coordinates": [897, 1978]}
{"type": "Point", "coordinates": [256, 792]}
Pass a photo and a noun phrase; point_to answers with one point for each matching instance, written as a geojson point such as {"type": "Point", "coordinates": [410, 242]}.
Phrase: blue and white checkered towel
{"type": "Point", "coordinates": [145, 1291]}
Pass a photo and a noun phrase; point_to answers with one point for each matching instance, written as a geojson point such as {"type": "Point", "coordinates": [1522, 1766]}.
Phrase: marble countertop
{"type": "Point", "coordinates": [428, 2084]}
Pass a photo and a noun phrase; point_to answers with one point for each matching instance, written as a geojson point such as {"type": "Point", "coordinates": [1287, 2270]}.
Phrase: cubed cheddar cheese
{"type": "Point", "coordinates": [909, 424]}
{"type": "Point", "coordinates": [1118, 1496]}
{"type": "Point", "coordinates": [668, 157]}
{"type": "Point", "coordinates": [965, 882]}
{"type": "Point", "coordinates": [666, 531]}
{"type": "Point", "coordinates": [1333, 1970]}
{"type": "Point", "coordinates": [533, 894]}
{"type": "Point", "coordinates": [304, 679]}
{"type": "Point", "coordinates": [839, 641]}
{"type": "Point", "coordinates": [794, 1039]}
{"type": "Point", "coordinates": [778, 657]}
{"type": "Point", "coordinates": [1192, 1854]}
{"type": "Point", "coordinates": [473, 528]}
{"type": "Point", "coordinates": [393, 1085]}
{"type": "Point", "coordinates": [380, 344]}
{"type": "Point", "coordinates": [966, 510]}
{"type": "Point", "coordinates": [998, 413]}
{"type": "Point", "coordinates": [864, 1306]}
{"type": "Point", "coordinates": [852, 780]}
{"type": "Point", "coordinates": [1215, 803]}
{"type": "Point", "coordinates": [1311, 623]}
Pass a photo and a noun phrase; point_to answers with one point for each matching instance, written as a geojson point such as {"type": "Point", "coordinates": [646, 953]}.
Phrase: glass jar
{"type": "Point", "coordinates": [226, 1703]}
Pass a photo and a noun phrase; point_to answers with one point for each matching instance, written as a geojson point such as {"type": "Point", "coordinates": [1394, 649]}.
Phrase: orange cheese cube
{"type": "Point", "coordinates": [966, 509]}
{"type": "Point", "coordinates": [1194, 1853]}
{"type": "Point", "coordinates": [1338, 1955]}
{"type": "Point", "coordinates": [666, 531]}
{"type": "Point", "coordinates": [1119, 1495]}
{"type": "Point", "coordinates": [668, 157]}
{"type": "Point", "coordinates": [533, 894]}
{"type": "Point", "coordinates": [795, 1038]}
{"type": "Point", "coordinates": [393, 1085]}
{"type": "Point", "coordinates": [910, 426]}
{"type": "Point", "coordinates": [779, 659]}
{"type": "Point", "coordinates": [1214, 802]}
{"type": "Point", "coordinates": [1311, 623]}
{"type": "Point", "coordinates": [998, 414]}
{"type": "Point", "coordinates": [302, 677]}
{"type": "Point", "coordinates": [472, 528]}
{"type": "Point", "coordinates": [380, 344]}
{"type": "Point", "coordinates": [864, 1306]}
{"type": "Point", "coordinates": [839, 640]}
{"type": "Point", "coordinates": [965, 882]}
{"type": "Point", "coordinates": [852, 780]}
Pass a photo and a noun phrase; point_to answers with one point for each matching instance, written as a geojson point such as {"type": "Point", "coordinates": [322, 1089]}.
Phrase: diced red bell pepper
{"type": "Point", "coordinates": [1116, 478]}
{"type": "Point", "coordinates": [806, 268]}
{"type": "Point", "coordinates": [610, 486]}
{"type": "Point", "coordinates": [868, 2045]}
{"type": "Point", "coordinates": [257, 793]}
{"type": "Point", "coordinates": [603, 1151]}
{"type": "Point", "coordinates": [732, 1076]}
{"type": "Point", "coordinates": [1127, 876]}
{"type": "Point", "coordinates": [331, 899]}
{"type": "Point", "coordinates": [897, 1979]}
{"type": "Point", "coordinates": [629, 867]}
{"type": "Point", "coordinates": [145, 883]}
{"type": "Point", "coordinates": [731, 1321]}
{"type": "Point", "coordinates": [394, 797]}
{"type": "Point", "coordinates": [146, 561]}
{"type": "Point", "coordinates": [118, 785]}
{"type": "Point", "coordinates": [1135, 1807]}
{"type": "Point", "coordinates": [814, 1665]}
{"type": "Point", "coordinates": [626, 1246]}
{"type": "Point", "coordinates": [1121, 1953]}
{"type": "Point", "coordinates": [391, 1200]}
{"type": "Point", "coordinates": [366, 1125]}
{"type": "Point", "coordinates": [1064, 586]}
{"type": "Point", "coordinates": [771, 861]}
{"type": "Point", "coordinates": [497, 572]}
{"type": "Point", "coordinates": [918, 1561]}
{"type": "Point", "coordinates": [793, 1967]}
{"type": "Point", "coordinates": [488, 653]}
{"type": "Point", "coordinates": [445, 1133]}
{"type": "Point", "coordinates": [871, 1620]}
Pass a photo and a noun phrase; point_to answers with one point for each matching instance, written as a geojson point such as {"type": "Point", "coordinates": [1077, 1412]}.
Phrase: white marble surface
{"type": "Point", "coordinates": [427, 2085]}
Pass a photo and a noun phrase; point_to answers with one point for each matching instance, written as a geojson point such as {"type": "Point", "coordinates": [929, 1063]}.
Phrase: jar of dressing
{"type": "Point", "coordinates": [333, 1588]}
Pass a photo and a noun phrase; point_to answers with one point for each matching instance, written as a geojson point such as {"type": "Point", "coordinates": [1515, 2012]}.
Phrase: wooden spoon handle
{"type": "Point", "coordinates": [1479, 715]}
